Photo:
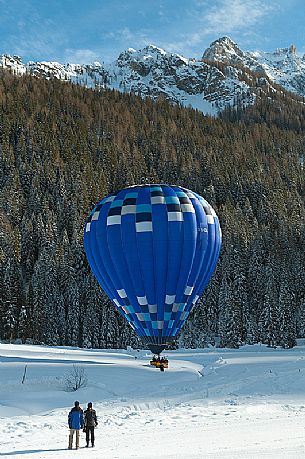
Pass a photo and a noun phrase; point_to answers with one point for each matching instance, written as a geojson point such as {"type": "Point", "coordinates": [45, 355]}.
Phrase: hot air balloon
{"type": "Point", "coordinates": [153, 249]}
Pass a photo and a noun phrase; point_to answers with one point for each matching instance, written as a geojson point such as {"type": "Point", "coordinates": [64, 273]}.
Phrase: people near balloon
{"type": "Point", "coordinates": [75, 422]}
{"type": "Point", "coordinates": [90, 419]}
{"type": "Point", "coordinates": [153, 249]}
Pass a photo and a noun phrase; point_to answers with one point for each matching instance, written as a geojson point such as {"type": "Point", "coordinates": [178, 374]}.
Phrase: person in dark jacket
{"type": "Point", "coordinates": [90, 424]}
{"type": "Point", "coordinates": [76, 422]}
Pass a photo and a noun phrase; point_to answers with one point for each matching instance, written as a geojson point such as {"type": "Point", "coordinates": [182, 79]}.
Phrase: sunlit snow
{"type": "Point", "coordinates": [211, 403]}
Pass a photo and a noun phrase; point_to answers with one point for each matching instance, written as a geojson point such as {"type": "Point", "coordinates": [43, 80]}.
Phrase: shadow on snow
{"type": "Point", "coordinates": [32, 451]}
{"type": "Point", "coordinates": [52, 361]}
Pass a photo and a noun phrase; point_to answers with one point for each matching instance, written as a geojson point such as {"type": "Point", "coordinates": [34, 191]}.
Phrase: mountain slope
{"type": "Point", "coordinates": [224, 76]}
{"type": "Point", "coordinates": [283, 67]}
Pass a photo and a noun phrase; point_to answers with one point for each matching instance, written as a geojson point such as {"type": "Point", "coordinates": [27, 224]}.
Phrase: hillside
{"type": "Point", "coordinates": [224, 76]}
{"type": "Point", "coordinates": [63, 147]}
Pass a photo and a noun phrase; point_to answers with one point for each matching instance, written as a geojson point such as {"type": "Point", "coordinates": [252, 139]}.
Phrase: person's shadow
{"type": "Point", "coordinates": [32, 451]}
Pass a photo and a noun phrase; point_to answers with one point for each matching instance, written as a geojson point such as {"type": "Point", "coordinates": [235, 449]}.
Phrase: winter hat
{"type": "Point", "coordinates": [90, 405]}
{"type": "Point", "coordinates": [76, 404]}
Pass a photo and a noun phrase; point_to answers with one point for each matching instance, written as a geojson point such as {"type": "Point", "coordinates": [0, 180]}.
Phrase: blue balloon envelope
{"type": "Point", "coordinates": [153, 249]}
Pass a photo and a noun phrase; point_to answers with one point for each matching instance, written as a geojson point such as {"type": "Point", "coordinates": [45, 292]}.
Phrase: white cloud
{"type": "Point", "coordinates": [37, 46]}
{"type": "Point", "coordinates": [125, 35]}
{"type": "Point", "coordinates": [80, 56]}
{"type": "Point", "coordinates": [30, 35]}
{"type": "Point", "coordinates": [224, 17]}
{"type": "Point", "coordinates": [235, 14]}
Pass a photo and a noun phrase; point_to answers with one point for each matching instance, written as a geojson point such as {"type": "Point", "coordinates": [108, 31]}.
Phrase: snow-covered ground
{"type": "Point", "coordinates": [211, 403]}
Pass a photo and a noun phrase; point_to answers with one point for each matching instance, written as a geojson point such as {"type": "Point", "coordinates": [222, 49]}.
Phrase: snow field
{"type": "Point", "coordinates": [249, 403]}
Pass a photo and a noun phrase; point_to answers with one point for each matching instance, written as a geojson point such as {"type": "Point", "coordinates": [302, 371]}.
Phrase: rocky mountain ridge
{"type": "Point", "coordinates": [224, 76]}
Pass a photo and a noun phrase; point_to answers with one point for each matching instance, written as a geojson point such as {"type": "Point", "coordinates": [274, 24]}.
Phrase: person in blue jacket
{"type": "Point", "coordinates": [76, 422]}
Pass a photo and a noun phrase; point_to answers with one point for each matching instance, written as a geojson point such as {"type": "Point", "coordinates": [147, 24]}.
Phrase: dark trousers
{"type": "Point", "coordinates": [90, 430]}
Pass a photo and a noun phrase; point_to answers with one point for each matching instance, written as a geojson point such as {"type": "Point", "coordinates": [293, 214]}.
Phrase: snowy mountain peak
{"type": "Point", "coordinates": [223, 49]}
{"type": "Point", "coordinates": [154, 49]}
{"type": "Point", "coordinates": [199, 83]}
{"type": "Point", "coordinates": [291, 50]}
{"type": "Point", "coordinates": [148, 52]}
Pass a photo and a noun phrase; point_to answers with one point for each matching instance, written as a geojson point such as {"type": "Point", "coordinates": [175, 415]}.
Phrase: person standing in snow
{"type": "Point", "coordinates": [90, 424]}
{"type": "Point", "coordinates": [76, 422]}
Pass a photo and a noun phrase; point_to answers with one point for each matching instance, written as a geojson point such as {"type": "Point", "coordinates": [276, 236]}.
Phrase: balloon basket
{"type": "Point", "coordinates": [159, 362]}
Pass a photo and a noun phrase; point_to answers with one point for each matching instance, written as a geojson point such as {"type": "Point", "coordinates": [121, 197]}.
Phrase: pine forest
{"type": "Point", "coordinates": [64, 147]}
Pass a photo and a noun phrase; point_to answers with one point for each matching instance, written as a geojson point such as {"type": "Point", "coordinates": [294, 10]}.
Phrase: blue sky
{"type": "Point", "coordinates": [84, 31]}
